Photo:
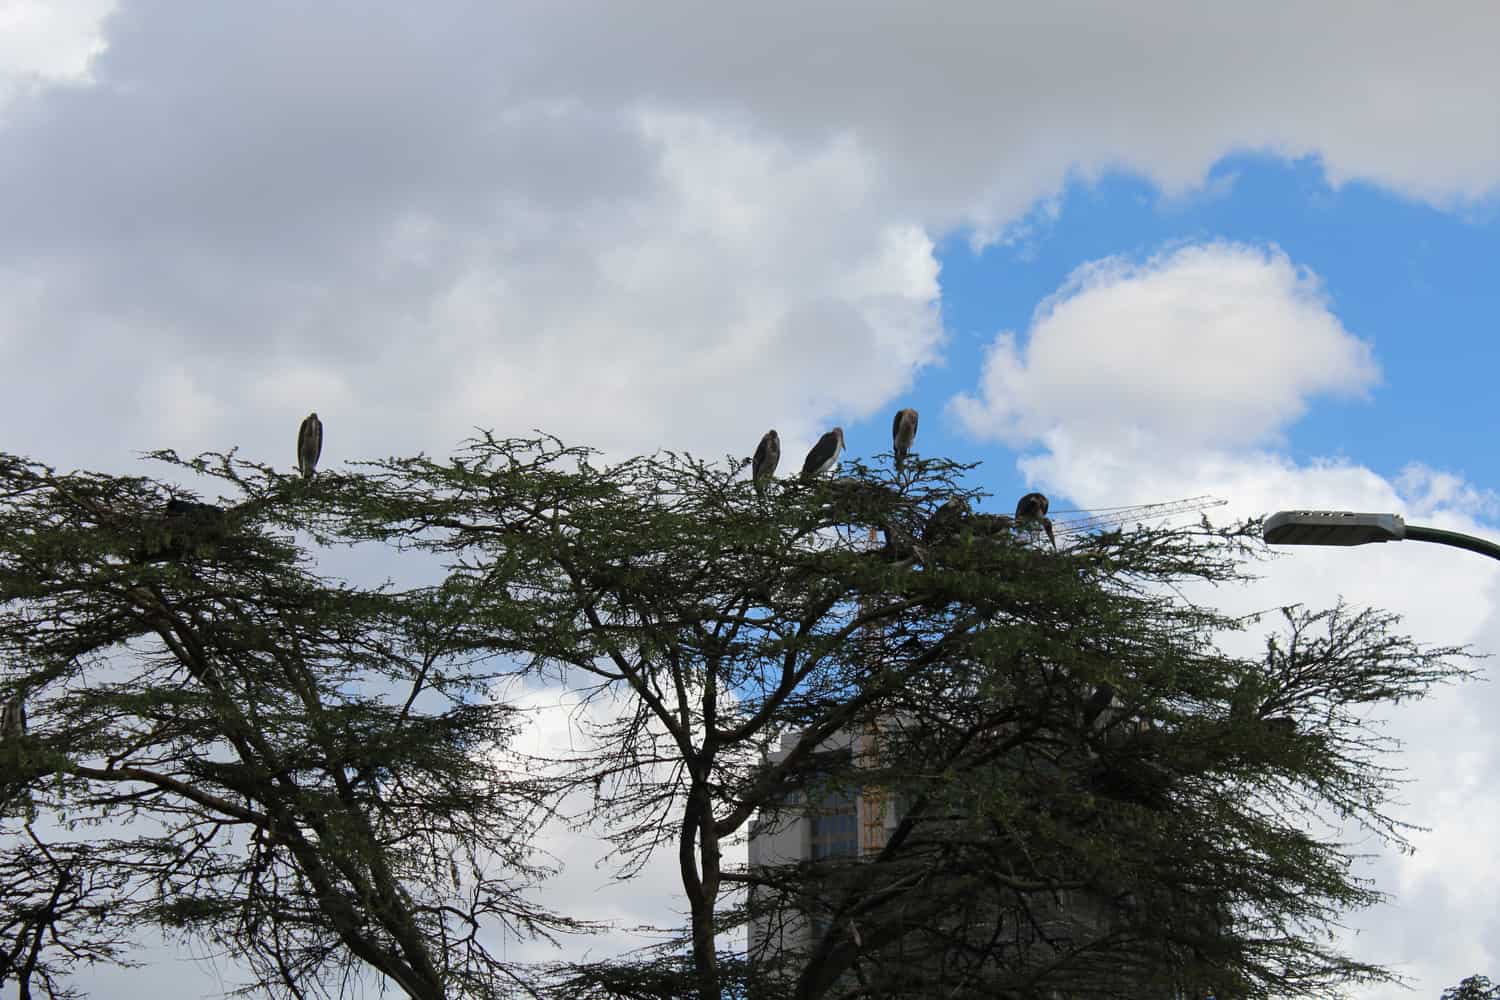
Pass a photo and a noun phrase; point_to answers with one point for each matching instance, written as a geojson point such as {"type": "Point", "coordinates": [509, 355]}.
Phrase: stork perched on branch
{"type": "Point", "coordinates": [13, 721]}
{"type": "Point", "coordinates": [903, 433]}
{"type": "Point", "coordinates": [946, 522]}
{"type": "Point", "coordinates": [824, 454]}
{"type": "Point", "coordinates": [185, 529]}
{"type": "Point", "coordinates": [1099, 710]}
{"type": "Point", "coordinates": [767, 457]}
{"type": "Point", "coordinates": [309, 445]}
{"type": "Point", "coordinates": [990, 525]}
{"type": "Point", "coordinates": [1033, 508]}
{"type": "Point", "coordinates": [12, 735]}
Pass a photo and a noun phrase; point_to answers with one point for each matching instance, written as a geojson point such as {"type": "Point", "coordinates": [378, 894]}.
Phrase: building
{"type": "Point", "coordinates": [824, 822]}
{"type": "Point", "coordinates": [842, 820]}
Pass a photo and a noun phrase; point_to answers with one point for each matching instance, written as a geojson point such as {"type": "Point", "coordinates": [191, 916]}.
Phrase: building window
{"type": "Point", "coordinates": [834, 825]}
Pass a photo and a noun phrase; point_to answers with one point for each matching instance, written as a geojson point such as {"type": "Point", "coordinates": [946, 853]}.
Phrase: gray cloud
{"type": "Point", "coordinates": [255, 211]}
{"type": "Point", "coordinates": [47, 41]}
{"type": "Point", "coordinates": [642, 225]}
{"type": "Point", "coordinates": [281, 196]}
{"type": "Point", "coordinates": [978, 108]}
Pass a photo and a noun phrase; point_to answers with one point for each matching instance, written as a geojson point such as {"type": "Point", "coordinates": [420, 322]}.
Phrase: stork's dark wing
{"type": "Point", "coordinates": [1102, 698]}
{"type": "Point", "coordinates": [764, 462]}
{"type": "Point", "coordinates": [309, 444]}
{"type": "Point", "coordinates": [821, 453]}
{"type": "Point", "coordinates": [945, 522]}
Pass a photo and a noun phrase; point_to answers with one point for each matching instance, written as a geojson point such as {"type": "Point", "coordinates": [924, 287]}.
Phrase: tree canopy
{"type": "Point", "coordinates": [225, 744]}
{"type": "Point", "coordinates": [1088, 796]}
{"type": "Point", "coordinates": [1473, 988]}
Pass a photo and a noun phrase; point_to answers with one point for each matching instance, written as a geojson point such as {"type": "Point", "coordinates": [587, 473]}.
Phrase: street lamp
{"type": "Point", "coordinates": [1343, 527]}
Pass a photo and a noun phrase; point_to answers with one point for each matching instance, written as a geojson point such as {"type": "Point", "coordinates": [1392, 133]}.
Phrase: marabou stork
{"type": "Point", "coordinates": [899, 546]}
{"type": "Point", "coordinates": [185, 529]}
{"type": "Point", "coordinates": [309, 445]}
{"type": "Point", "coordinates": [12, 733]}
{"type": "Point", "coordinates": [767, 457]}
{"type": "Point", "coordinates": [990, 525]}
{"type": "Point", "coordinates": [946, 522]}
{"type": "Point", "coordinates": [201, 513]}
{"type": "Point", "coordinates": [903, 433]}
{"type": "Point", "coordinates": [824, 454]}
{"type": "Point", "coordinates": [13, 722]}
{"type": "Point", "coordinates": [1248, 704]}
{"type": "Point", "coordinates": [1102, 700]}
{"type": "Point", "coordinates": [1033, 507]}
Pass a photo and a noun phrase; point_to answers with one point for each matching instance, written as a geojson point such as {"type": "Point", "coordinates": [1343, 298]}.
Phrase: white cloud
{"type": "Point", "coordinates": [615, 223]}
{"type": "Point", "coordinates": [752, 288]}
{"type": "Point", "coordinates": [1428, 490]}
{"type": "Point", "coordinates": [977, 112]}
{"type": "Point", "coordinates": [177, 400]}
{"type": "Point", "coordinates": [736, 283]}
{"type": "Point", "coordinates": [1146, 383]}
{"type": "Point", "coordinates": [48, 41]}
{"type": "Point", "coordinates": [1218, 343]}
{"type": "Point", "coordinates": [559, 726]}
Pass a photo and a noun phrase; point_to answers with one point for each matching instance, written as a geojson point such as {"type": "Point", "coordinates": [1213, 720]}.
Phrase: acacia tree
{"type": "Point", "coordinates": [227, 745]}
{"type": "Point", "coordinates": [1045, 846]}
{"type": "Point", "coordinates": [52, 918]}
{"type": "Point", "coordinates": [309, 771]}
{"type": "Point", "coordinates": [1473, 988]}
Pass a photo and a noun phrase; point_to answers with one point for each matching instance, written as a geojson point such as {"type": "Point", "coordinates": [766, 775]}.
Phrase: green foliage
{"type": "Point", "coordinates": [300, 770]}
{"type": "Point", "coordinates": [1473, 988]}
{"type": "Point", "coordinates": [318, 774]}
{"type": "Point", "coordinates": [730, 623]}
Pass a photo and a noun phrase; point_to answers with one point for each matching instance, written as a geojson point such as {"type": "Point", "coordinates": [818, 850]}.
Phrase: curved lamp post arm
{"type": "Point", "coordinates": [1343, 527]}
{"type": "Point", "coordinates": [1458, 540]}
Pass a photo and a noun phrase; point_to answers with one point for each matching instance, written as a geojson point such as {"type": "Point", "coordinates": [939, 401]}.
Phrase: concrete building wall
{"type": "Point", "coordinates": [812, 827]}
{"type": "Point", "coordinates": [791, 834]}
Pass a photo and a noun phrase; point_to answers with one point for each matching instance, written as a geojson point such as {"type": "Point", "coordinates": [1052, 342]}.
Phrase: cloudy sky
{"type": "Point", "coordinates": [1121, 253]}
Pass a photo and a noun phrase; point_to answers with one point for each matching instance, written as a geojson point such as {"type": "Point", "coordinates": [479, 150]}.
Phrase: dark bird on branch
{"type": "Point", "coordinates": [899, 546]}
{"type": "Point", "coordinates": [990, 525]}
{"type": "Point", "coordinates": [13, 722]}
{"type": "Point", "coordinates": [309, 445]}
{"type": "Point", "coordinates": [1244, 703]}
{"type": "Point", "coordinates": [1033, 507]}
{"type": "Point", "coordinates": [192, 510]}
{"type": "Point", "coordinates": [824, 454]}
{"type": "Point", "coordinates": [903, 433]}
{"type": "Point", "coordinates": [946, 522]}
{"type": "Point", "coordinates": [1099, 702]}
{"type": "Point", "coordinates": [767, 457]}
{"type": "Point", "coordinates": [186, 529]}
{"type": "Point", "coordinates": [1249, 703]}
{"type": "Point", "coordinates": [20, 771]}
{"type": "Point", "coordinates": [1280, 726]}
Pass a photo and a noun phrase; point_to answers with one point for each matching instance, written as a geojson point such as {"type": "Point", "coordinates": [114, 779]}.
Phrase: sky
{"type": "Point", "coordinates": [1120, 253]}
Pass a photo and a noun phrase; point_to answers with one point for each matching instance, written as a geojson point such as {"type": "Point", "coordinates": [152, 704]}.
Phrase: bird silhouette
{"type": "Point", "coordinates": [767, 457]}
{"type": "Point", "coordinates": [309, 445]}
{"type": "Point", "coordinates": [824, 455]}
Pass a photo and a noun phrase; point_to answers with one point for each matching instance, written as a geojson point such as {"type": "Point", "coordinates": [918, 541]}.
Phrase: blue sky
{"type": "Point", "coordinates": [1414, 281]}
{"type": "Point", "coordinates": [1125, 253]}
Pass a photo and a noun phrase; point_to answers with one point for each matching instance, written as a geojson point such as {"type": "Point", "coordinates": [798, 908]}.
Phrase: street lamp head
{"type": "Point", "coordinates": [1331, 527]}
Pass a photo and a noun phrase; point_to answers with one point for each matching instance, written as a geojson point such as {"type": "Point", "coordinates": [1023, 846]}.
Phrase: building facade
{"type": "Point", "coordinates": [839, 820]}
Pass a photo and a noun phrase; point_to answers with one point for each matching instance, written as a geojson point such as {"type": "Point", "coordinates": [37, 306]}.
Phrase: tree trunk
{"type": "Point", "coordinates": [698, 854]}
